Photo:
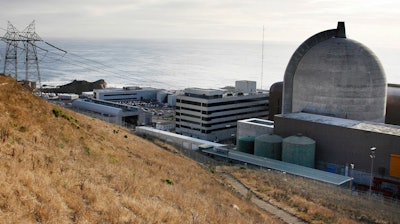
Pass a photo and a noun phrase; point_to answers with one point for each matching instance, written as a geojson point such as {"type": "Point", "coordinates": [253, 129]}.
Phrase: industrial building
{"type": "Point", "coordinates": [335, 93]}
{"type": "Point", "coordinates": [130, 93]}
{"type": "Point", "coordinates": [341, 142]}
{"type": "Point", "coordinates": [112, 112]}
{"type": "Point", "coordinates": [253, 127]}
{"type": "Point", "coordinates": [212, 114]}
{"type": "Point", "coordinates": [336, 76]}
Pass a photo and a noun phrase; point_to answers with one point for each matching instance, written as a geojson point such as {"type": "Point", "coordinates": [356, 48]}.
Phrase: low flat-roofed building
{"type": "Point", "coordinates": [342, 142]}
{"type": "Point", "coordinates": [165, 125]}
{"type": "Point", "coordinates": [126, 94]}
{"type": "Point", "coordinates": [112, 112]}
{"type": "Point", "coordinates": [212, 114]}
{"type": "Point", "coordinates": [254, 127]}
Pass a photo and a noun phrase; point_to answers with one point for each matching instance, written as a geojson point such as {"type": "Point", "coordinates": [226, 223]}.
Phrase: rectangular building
{"type": "Point", "coordinates": [212, 114]}
{"type": "Point", "coordinates": [126, 94]}
{"type": "Point", "coordinates": [341, 142]}
{"type": "Point", "coordinates": [254, 127]}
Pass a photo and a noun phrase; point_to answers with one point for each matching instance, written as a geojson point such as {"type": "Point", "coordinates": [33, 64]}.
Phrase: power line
{"type": "Point", "coordinates": [71, 58]}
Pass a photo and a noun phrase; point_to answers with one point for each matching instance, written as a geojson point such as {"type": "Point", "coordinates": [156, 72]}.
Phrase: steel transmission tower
{"type": "Point", "coordinates": [28, 37]}
{"type": "Point", "coordinates": [11, 58]}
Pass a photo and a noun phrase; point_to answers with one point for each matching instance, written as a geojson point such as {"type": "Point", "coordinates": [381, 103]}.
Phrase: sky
{"type": "Point", "coordinates": [371, 22]}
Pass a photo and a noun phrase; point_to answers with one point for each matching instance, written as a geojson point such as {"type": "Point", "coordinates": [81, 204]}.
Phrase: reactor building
{"type": "Point", "coordinates": [336, 76]}
{"type": "Point", "coordinates": [335, 92]}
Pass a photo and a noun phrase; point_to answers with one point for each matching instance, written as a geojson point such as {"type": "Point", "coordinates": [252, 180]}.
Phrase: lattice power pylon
{"type": "Point", "coordinates": [28, 38]}
{"type": "Point", "coordinates": [11, 57]}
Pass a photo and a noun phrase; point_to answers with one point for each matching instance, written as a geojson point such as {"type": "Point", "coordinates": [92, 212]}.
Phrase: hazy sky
{"type": "Point", "coordinates": [372, 22]}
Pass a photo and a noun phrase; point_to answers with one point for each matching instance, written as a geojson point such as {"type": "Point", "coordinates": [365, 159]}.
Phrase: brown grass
{"type": "Point", "coordinates": [76, 169]}
{"type": "Point", "coordinates": [314, 201]}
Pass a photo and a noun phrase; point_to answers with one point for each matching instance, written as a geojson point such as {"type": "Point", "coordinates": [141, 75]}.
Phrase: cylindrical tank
{"type": "Point", "coordinates": [393, 104]}
{"type": "Point", "coordinates": [246, 144]}
{"type": "Point", "coordinates": [275, 100]}
{"type": "Point", "coordinates": [299, 150]}
{"type": "Point", "coordinates": [269, 146]}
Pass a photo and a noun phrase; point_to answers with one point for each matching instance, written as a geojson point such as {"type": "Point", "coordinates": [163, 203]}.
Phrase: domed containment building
{"type": "Point", "coordinates": [332, 75]}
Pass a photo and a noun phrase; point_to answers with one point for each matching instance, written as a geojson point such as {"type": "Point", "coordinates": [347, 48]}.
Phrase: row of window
{"type": "Point", "coordinates": [219, 103]}
{"type": "Point", "coordinates": [216, 111]}
{"type": "Point", "coordinates": [202, 131]}
{"type": "Point", "coordinates": [121, 94]}
{"type": "Point", "coordinates": [222, 116]}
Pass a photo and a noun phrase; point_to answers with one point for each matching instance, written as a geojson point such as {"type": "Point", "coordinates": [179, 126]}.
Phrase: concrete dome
{"type": "Point", "coordinates": [336, 76]}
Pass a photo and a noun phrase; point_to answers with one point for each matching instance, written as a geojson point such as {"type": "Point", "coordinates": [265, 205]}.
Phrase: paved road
{"type": "Point", "coordinates": [276, 211]}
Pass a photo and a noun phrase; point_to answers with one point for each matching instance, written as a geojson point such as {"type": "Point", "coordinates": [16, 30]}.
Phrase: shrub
{"type": "Point", "coordinates": [87, 149]}
{"type": "Point", "coordinates": [167, 181]}
{"type": "Point", "coordinates": [57, 112]}
{"type": "Point", "coordinates": [23, 129]}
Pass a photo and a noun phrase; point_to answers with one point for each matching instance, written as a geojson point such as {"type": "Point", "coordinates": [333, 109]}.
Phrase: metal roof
{"type": "Point", "coordinates": [290, 168]}
{"type": "Point", "coordinates": [360, 125]}
{"type": "Point", "coordinates": [154, 131]}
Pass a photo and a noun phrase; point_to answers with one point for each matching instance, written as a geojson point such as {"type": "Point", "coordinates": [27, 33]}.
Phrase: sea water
{"type": "Point", "coordinates": [172, 64]}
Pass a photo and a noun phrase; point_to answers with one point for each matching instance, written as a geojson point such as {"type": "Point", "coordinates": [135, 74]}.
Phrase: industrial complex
{"type": "Point", "coordinates": [333, 118]}
{"type": "Point", "coordinates": [327, 114]}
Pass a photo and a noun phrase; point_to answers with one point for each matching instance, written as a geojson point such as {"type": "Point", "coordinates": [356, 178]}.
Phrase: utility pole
{"type": "Point", "coordinates": [372, 156]}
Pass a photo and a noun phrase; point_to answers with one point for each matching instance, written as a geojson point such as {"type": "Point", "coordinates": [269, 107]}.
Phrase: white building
{"type": "Point", "coordinates": [131, 93]}
{"type": "Point", "coordinates": [212, 114]}
{"type": "Point", "coordinates": [165, 126]}
{"type": "Point", "coordinates": [254, 127]}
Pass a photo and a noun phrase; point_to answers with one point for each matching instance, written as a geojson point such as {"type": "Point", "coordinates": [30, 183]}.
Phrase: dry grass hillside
{"type": "Point", "coordinates": [317, 202]}
{"type": "Point", "coordinates": [57, 166]}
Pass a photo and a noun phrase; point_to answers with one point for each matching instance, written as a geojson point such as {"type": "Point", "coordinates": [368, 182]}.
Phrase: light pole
{"type": "Point", "coordinates": [351, 175]}
{"type": "Point", "coordinates": [372, 156]}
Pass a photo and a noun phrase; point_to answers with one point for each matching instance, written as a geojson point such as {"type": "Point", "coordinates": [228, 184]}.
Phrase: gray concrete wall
{"type": "Point", "coordinates": [251, 129]}
{"type": "Point", "coordinates": [342, 145]}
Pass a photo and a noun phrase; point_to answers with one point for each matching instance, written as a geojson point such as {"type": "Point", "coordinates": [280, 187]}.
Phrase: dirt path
{"type": "Point", "coordinates": [243, 190]}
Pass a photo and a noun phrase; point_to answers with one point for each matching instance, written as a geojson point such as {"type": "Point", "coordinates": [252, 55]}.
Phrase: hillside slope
{"type": "Point", "coordinates": [57, 166]}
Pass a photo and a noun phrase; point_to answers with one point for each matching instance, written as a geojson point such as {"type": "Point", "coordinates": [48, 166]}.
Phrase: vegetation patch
{"type": "Point", "coordinates": [167, 181]}
{"type": "Point", "coordinates": [88, 150]}
{"type": "Point", "coordinates": [23, 129]}
{"type": "Point", "coordinates": [113, 160]}
{"type": "Point", "coordinates": [59, 113]}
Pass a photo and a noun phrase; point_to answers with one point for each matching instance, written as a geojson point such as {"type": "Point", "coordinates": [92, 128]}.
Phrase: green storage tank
{"type": "Point", "coordinates": [246, 144]}
{"type": "Point", "coordinates": [269, 146]}
{"type": "Point", "coordinates": [299, 150]}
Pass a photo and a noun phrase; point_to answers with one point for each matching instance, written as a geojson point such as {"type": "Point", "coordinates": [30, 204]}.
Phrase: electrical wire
{"type": "Point", "coordinates": [88, 65]}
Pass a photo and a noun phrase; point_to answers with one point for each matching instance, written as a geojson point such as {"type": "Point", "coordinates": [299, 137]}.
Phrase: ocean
{"type": "Point", "coordinates": [173, 64]}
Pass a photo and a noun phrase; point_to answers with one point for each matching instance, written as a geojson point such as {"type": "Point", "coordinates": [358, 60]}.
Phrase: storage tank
{"type": "Point", "coordinates": [269, 146]}
{"type": "Point", "coordinates": [246, 144]}
{"type": "Point", "coordinates": [275, 100]}
{"type": "Point", "coordinates": [299, 150]}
